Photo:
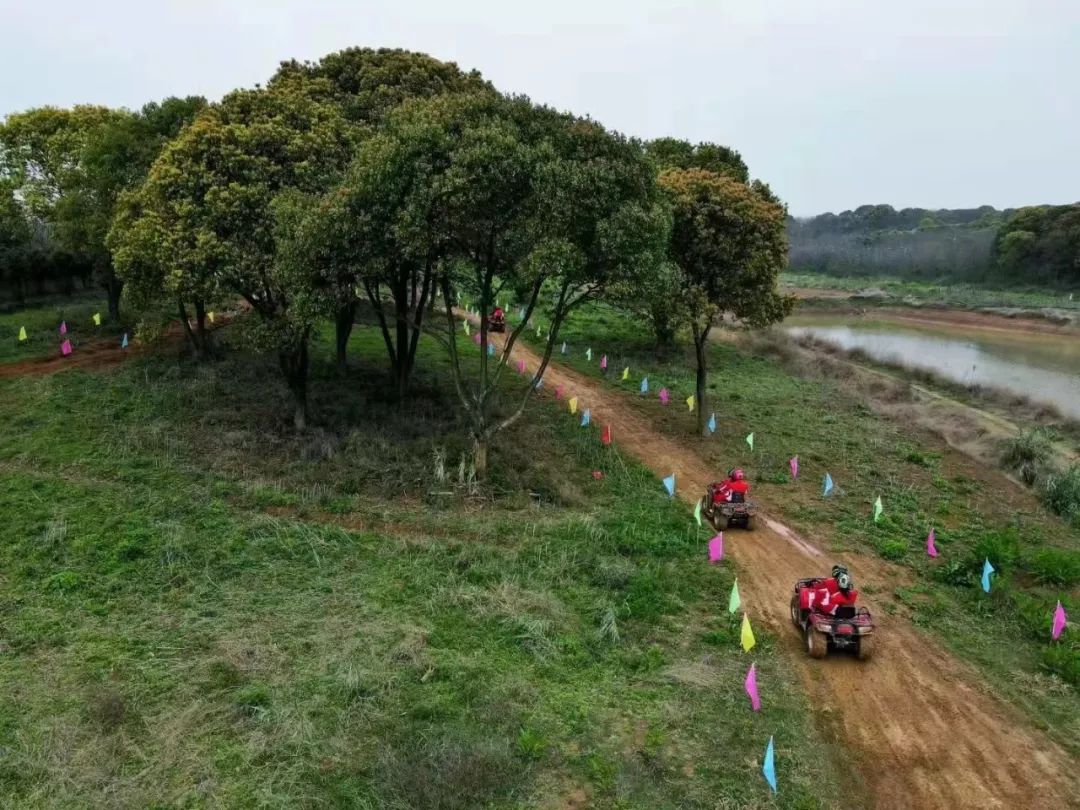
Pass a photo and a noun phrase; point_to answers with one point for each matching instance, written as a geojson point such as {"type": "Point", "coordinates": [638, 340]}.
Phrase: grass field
{"type": "Point", "coordinates": [967, 296]}
{"type": "Point", "coordinates": [42, 324]}
{"type": "Point", "coordinates": [923, 484]}
{"type": "Point", "coordinates": [201, 609]}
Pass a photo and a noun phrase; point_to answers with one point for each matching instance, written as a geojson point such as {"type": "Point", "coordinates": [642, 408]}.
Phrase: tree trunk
{"type": "Point", "coordinates": [343, 324]}
{"type": "Point", "coordinates": [202, 337]}
{"type": "Point", "coordinates": [294, 365]}
{"type": "Point", "coordinates": [664, 330]}
{"type": "Point", "coordinates": [402, 335]}
{"type": "Point", "coordinates": [701, 342]}
{"type": "Point", "coordinates": [113, 288]}
{"type": "Point", "coordinates": [480, 457]}
{"type": "Point", "coordinates": [182, 312]}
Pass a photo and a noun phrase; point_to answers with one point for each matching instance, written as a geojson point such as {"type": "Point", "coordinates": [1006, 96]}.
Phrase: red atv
{"type": "Point", "coordinates": [497, 322]}
{"type": "Point", "coordinates": [724, 514]}
{"type": "Point", "coordinates": [850, 629]}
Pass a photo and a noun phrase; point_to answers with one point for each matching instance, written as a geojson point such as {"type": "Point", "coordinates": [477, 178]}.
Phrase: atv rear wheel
{"type": "Point", "coordinates": [866, 648]}
{"type": "Point", "coordinates": [817, 643]}
{"type": "Point", "coordinates": [749, 523]}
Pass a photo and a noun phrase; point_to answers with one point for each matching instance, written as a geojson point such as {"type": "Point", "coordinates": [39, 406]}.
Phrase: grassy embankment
{"type": "Point", "coordinates": [895, 292]}
{"type": "Point", "coordinates": [42, 325]}
{"type": "Point", "coordinates": [202, 609]}
{"type": "Point", "coordinates": [922, 483]}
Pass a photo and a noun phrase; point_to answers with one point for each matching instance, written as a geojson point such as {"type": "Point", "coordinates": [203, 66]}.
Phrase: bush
{"type": "Point", "coordinates": [1027, 454]}
{"type": "Point", "coordinates": [1062, 494]}
{"type": "Point", "coordinates": [1063, 661]}
{"type": "Point", "coordinates": [892, 549]}
{"type": "Point", "coordinates": [1002, 548]}
{"type": "Point", "coordinates": [1054, 566]}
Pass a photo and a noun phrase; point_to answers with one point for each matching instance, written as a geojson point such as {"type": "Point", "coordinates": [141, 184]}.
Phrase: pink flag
{"type": "Point", "coordinates": [65, 348]}
{"type": "Point", "coordinates": [716, 548]}
{"type": "Point", "coordinates": [751, 688]}
{"type": "Point", "coordinates": [794, 464]}
{"type": "Point", "coordinates": [63, 327]}
{"type": "Point", "coordinates": [603, 362]}
{"type": "Point", "coordinates": [664, 396]}
{"type": "Point", "coordinates": [521, 366]}
{"type": "Point", "coordinates": [931, 549]}
{"type": "Point", "coordinates": [558, 392]}
{"type": "Point", "coordinates": [476, 338]}
{"type": "Point", "coordinates": [1059, 622]}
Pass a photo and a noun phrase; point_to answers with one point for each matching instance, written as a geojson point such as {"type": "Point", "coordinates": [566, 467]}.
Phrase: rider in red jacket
{"type": "Point", "coordinates": [735, 483]}
{"type": "Point", "coordinates": [835, 592]}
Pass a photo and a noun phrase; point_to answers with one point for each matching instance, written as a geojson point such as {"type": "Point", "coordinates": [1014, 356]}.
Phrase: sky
{"type": "Point", "coordinates": [931, 103]}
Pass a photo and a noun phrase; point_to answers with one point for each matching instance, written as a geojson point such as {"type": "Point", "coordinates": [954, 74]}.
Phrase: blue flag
{"type": "Point", "coordinates": [769, 768]}
{"type": "Point", "coordinates": [538, 384]}
{"type": "Point", "coordinates": [521, 313]}
{"type": "Point", "coordinates": [491, 350]}
{"type": "Point", "coordinates": [669, 485]}
{"type": "Point", "coordinates": [645, 385]}
{"type": "Point", "coordinates": [988, 569]}
{"type": "Point", "coordinates": [586, 417]}
{"type": "Point", "coordinates": [828, 485]}
{"type": "Point", "coordinates": [124, 342]}
{"type": "Point", "coordinates": [712, 423]}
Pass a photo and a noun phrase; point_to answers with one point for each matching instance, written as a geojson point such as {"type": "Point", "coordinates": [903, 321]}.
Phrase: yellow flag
{"type": "Point", "coordinates": [97, 319]}
{"type": "Point", "coordinates": [690, 403]}
{"type": "Point", "coordinates": [465, 326]}
{"type": "Point", "coordinates": [22, 334]}
{"type": "Point", "coordinates": [748, 641]}
{"type": "Point", "coordinates": [626, 373]}
{"type": "Point", "coordinates": [573, 404]}
{"type": "Point", "coordinates": [210, 315]}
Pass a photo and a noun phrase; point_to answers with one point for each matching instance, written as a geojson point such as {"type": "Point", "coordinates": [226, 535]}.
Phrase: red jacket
{"type": "Point", "coordinates": [723, 490]}
{"type": "Point", "coordinates": [828, 597]}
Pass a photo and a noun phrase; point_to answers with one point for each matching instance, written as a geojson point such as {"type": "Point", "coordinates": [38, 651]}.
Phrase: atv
{"type": "Point", "coordinates": [497, 324]}
{"type": "Point", "coordinates": [850, 629]}
{"type": "Point", "coordinates": [723, 515]}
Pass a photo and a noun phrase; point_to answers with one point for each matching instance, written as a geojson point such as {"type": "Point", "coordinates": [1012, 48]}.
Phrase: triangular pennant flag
{"type": "Point", "coordinates": [769, 766]}
{"type": "Point", "coordinates": [521, 314]}
{"type": "Point", "coordinates": [476, 338]}
{"type": "Point", "coordinates": [644, 385]}
{"type": "Point", "coordinates": [626, 373]}
{"type": "Point", "coordinates": [559, 390]}
{"type": "Point", "coordinates": [690, 403]}
{"type": "Point", "coordinates": [664, 395]}
{"type": "Point", "coordinates": [734, 602]}
{"type": "Point", "coordinates": [539, 383]}
{"type": "Point", "coordinates": [564, 347]}
{"type": "Point", "coordinates": [697, 512]}
{"type": "Point", "coordinates": [716, 548]}
{"type": "Point", "coordinates": [521, 366]}
{"type": "Point", "coordinates": [712, 423]}
{"type": "Point", "coordinates": [603, 363]}
{"type": "Point", "coordinates": [124, 342]}
{"type": "Point", "coordinates": [988, 569]}
{"type": "Point", "coordinates": [586, 417]}
{"type": "Point", "coordinates": [750, 441]}
{"type": "Point", "coordinates": [793, 462]}
{"type": "Point", "coordinates": [573, 404]}
{"type": "Point", "coordinates": [751, 688]}
{"type": "Point", "coordinates": [22, 334]}
{"type": "Point", "coordinates": [878, 509]}
{"type": "Point", "coordinates": [605, 435]}
{"type": "Point", "coordinates": [465, 326]}
{"type": "Point", "coordinates": [65, 348]}
{"type": "Point", "coordinates": [491, 350]}
{"type": "Point", "coordinates": [210, 315]}
{"type": "Point", "coordinates": [931, 549]}
{"type": "Point", "coordinates": [669, 485]}
{"type": "Point", "coordinates": [746, 635]}
{"type": "Point", "coordinates": [539, 331]}
{"type": "Point", "coordinates": [828, 487]}
{"type": "Point", "coordinates": [1059, 621]}
{"type": "Point", "coordinates": [63, 327]}
{"type": "Point", "coordinates": [588, 354]}
{"type": "Point", "coordinates": [97, 319]}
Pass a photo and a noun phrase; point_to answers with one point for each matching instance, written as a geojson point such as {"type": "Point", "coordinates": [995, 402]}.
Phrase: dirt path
{"type": "Point", "coordinates": [89, 356]}
{"type": "Point", "coordinates": [923, 730]}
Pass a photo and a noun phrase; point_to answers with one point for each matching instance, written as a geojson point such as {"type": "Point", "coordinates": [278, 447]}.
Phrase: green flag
{"type": "Point", "coordinates": [22, 334]}
{"type": "Point", "coordinates": [697, 513]}
{"type": "Point", "coordinates": [750, 441]}
{"type": "Point", "coordinates": [734, 601]}
{"type": "Point", "coordinates": [877, 509]}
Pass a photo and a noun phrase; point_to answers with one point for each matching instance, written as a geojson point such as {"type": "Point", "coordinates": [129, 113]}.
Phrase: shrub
{"type": "Point", "coordinates": [1063, 661]}
{"type": "Point", "coordinates": [892, 549]}
{"type": "Point", "coordinates": [1062, 494]}
{"type": "Point", "coordinates": [1027, 454]}
{"type": "Point", "coordinates": [1054, 566]}
{"type": "Point", "coordinates": [449, 774]}
{"type": "Point", "coordinates": [1001, 547]}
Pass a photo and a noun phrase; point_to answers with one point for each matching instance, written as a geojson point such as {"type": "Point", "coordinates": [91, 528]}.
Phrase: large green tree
{"type": "Point", "coordinates": [221, 200]}
{"type": "Point", "coordinates": [729, 246]}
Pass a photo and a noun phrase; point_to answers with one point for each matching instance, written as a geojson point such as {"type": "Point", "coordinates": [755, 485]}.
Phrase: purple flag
{"type": "Point", "coordinates": [65, 348]}
{"type": "Point", "coordinates": [63, 327]}
{"type": "Point", "coordinates": [751, 688]}
{"type": "Point", "coordinates": [603, 362]}
{"type": "Point", "coordinates": [558, 392]}
{"type": "Point", "coordinates": [664, 396]}
{"type": "Point", "coordinates": [521, 366]}
{"type": "Point", "coordinates": [794, 464]}
{"type": "Point", "coordinates": [476, 338]}
{"type": "Point", "coordinates": [931, 549]}
{"type": "Point", "coordinates": [716, 548]}
{"type": "Point", "coordinates": [1059, 621]}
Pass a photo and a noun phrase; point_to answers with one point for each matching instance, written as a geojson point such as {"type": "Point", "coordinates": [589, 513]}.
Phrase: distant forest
{"type": "Point", "coordinates": [1038, 245]}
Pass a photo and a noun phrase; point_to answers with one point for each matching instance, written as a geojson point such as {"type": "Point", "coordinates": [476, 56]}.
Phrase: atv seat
{"type": "Point", "coordinates": [845, 612]}
{"type": "Point", "coordinates": [737, 497]}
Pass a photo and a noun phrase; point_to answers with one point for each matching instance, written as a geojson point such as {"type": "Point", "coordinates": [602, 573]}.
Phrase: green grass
{"type": "Point", "coordinates": [919, 293]}
{"type": "Point", "coordinates": [42, 326]}
{"type": "Point", "coordinates": [202, 609]}
{"type": "Point", "coordinates": [922, 482]}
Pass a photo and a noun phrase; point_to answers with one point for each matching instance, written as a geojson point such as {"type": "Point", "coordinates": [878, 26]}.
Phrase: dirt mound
{"type": "Point", "coordinates": [924, 732]}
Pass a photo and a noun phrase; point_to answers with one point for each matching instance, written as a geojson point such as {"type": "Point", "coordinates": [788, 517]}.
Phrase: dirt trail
{"type": "Point", "coordinates": [923, 731]}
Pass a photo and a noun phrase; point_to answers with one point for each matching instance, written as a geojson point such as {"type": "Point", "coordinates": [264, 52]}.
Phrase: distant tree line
{"type": "Point", "coordinates": [1035, 245]}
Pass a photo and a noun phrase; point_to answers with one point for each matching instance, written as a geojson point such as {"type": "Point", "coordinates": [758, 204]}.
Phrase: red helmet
{"type": "Point", "coordinates": [737, 474]}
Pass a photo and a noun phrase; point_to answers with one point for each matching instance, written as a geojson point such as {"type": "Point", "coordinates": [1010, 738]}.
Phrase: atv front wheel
{"type": "Point", "coordinates": [866, 648]}
{"type": "Point", "coordinates": [795, 611]}
{"type": "Point", "coordinates": [817, 643]}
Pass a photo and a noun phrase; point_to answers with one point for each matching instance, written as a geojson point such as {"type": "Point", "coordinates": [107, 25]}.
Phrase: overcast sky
{"type": "Point", "coordinates": [934, 103]}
